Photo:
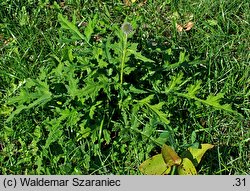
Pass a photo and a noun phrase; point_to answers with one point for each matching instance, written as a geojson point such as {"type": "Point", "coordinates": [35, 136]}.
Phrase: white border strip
{"type": "Point", "coordinates": [124, 183]}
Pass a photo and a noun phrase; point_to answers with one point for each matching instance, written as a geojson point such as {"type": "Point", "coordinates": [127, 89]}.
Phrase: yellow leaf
{"type": "Point", "coordinates": [198, 153]}
{"type": "Point", "coordinates": [170, 156]}
{"type": "Point", "coordinates": [186, 168]}
{"type": "Point", "coordinates": [154, 166]}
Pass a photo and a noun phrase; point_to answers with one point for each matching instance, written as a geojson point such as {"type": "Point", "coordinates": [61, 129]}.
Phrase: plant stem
{"type": "Point", "coordinates": [173, 170]}
{"type": "Point", "coordinates": [123, 58]}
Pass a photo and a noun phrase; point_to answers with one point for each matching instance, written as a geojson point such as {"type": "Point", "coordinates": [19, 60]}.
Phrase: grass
{"type": "Point", "coordinates": [217, 48]}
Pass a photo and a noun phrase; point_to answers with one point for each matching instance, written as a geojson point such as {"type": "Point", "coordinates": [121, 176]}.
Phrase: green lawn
{"type": "Point", "coordinates": [79, 96]}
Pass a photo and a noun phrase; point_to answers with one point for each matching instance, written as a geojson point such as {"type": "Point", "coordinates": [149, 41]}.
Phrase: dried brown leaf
{"type": "Point", "coordinates": [188, 26]}
{"type": "Point", "coordinates": [179, 28]}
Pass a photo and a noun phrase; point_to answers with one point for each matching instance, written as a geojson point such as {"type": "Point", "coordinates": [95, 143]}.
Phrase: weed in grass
{"type": "Point", "coordinates": [101, 107]}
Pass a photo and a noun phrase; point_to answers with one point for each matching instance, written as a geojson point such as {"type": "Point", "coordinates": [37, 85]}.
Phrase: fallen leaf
{"type": "Point", "coordinates": [188, 26]}
{"type": "Point", "coordinates": [179, 28]}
